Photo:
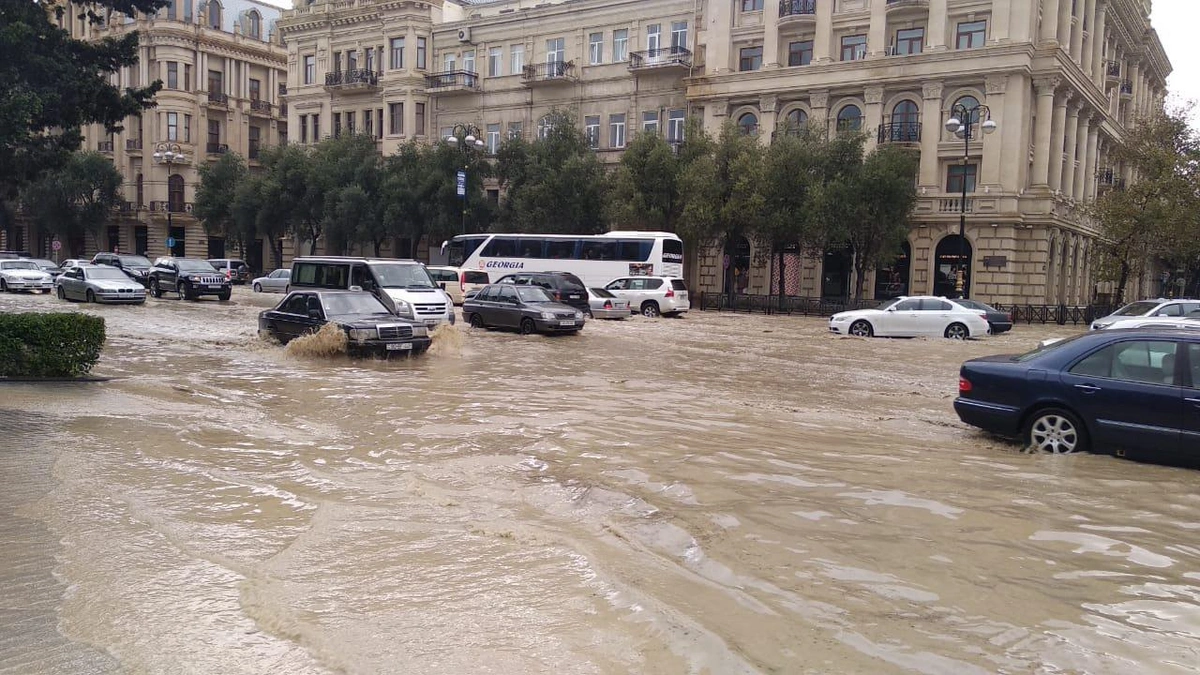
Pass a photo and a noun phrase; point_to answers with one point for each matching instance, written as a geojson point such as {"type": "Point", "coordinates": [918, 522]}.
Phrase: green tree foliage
{"type": "Point", "coordinates": [644, 190]}
{"type": "Point", "coordinates": [716, 180]}
{"type": "Point", "coordinates": [1157, 216]}
{"type": "Point", "coordinates": [215, 198]}
{"type": "Point", "coordinates": [444, 212]}
{"type": "Point", "coordinates": [402, 198]}
{"type": "Point", "coordinates": [76, 199]}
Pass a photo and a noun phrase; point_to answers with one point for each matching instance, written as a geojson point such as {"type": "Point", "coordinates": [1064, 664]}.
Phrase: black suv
{"type": "Point", "coordinates": [136, 267]}
{"type": "Point", "coordinates": [189, 278]}
{"type": "Point", "coordinates": [564, 287]}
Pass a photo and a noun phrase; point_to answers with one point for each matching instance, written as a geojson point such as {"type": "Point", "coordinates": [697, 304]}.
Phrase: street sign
{"type": "Point", "coordinates": [56, 245]}
{"type": "Point", "coordinates": [170, 242]}
{"type": "Point", "coordinates": [462, 183]}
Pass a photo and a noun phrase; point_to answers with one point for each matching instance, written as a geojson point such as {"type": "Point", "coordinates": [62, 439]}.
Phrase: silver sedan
{"type": "Point", "coordinates": [605, 305]}
{"type": "Point", "coordinates": [99, 283]}
{"type": "Point", "coordinates": [275, 282]}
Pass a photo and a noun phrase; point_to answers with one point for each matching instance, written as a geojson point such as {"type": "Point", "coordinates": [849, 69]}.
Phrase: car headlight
{"type": "Point", "coordinates": [404, 309]}
{"type": "Point", "coordinates": [578, 315]}
{"type": "Point", "coordinates": [420, 331]}
{"type": "Point", "coordinates": [362, 334]}
{"type": "Point", "coordinates": [547, 315]}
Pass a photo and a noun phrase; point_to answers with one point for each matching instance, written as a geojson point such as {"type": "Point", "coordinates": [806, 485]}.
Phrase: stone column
{"type": "Point", "coordinates": [1077, 31]}
{"type": "Point", "coordinates": [770, 34]}
{"type": "Point", "coordinates": [931, 133]}
{"type": "Point", "coordinates": [1057, 134]}
{"type": "Point", "coordinates": [873, 96]}
{"type": "Point", "coordinates": [1064, 24]}
{"type": "Point", "coordinates": [818, 115]}
{"type": "Point", "coordinates": [1001, 28]}
{"type": "Point", "coordinates": [1046, 87]}
{"type": "Point", "coordinates": [877, 34]}
{"type": "Point", "coordinates": [767, 106]}
{"type": "Point", "coordinates": [1099, 35]}
{"type": "Point", "coordinates": [936, 37]}
{"type": "Point", "coordinates": [1048, 29]}
{"type": "Point", "coordinates": [1085, 183]}
{"type": "Point", "coordinates": [823, 39]}
{"type": "Point", "coordinates": [995, 86]}
{"type": "Point", "coordinates": [1089, 13]}
{"type": "Point", "coordinates": [1071, 135]}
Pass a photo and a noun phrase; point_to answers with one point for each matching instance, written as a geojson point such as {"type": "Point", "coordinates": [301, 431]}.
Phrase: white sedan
{"type": "Point", "coordinates": [912, 317]}
{"type": "Point", "coordinates": [24, 275]}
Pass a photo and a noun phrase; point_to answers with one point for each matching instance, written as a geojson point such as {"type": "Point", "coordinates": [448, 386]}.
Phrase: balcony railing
{"type": "Point", "coordinates": [1113, 70]}
{"type": "Point", "coordinates": [900, 132]}
{"type": "Point", "coordinates": [907, 3]}
{"type": "Point", "coordinates": [218, 98]}
{"type": "Point", "coordinates": [553, 71]}
{"type": "Point", "coordinates": [133, 144]}
{"type": "Point", "coordinates": [452, 80]}
{"type": "Point", "coordinates": [260, 106]}
{"type": "Point", "coordinates": [352, 79]}
{"type": "Point", "coordinates": [663, 57]}
{"type": "Point", "coordinates": [172, 206]}
{"type": "Point", "coordinates": [1108, 178]}
{"type": "Point", "coordinates": [217, 148]}
{"type": "Point", "coordinates": [797, 8]}
{"type": "Point", "coordinates": [1126, 88]}
{"type": "Point", "coordinates": [104, 146]}
{"type": "Point", "coordinates": [955, 205]}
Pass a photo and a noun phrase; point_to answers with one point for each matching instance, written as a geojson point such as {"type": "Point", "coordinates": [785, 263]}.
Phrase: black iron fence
{"type": "Point", "coordinates": [1059, 314]}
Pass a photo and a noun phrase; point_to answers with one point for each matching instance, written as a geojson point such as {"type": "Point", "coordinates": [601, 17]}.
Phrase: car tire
{"type": "Point", "coordinates": [62, 295]}
{"type": "Point", "coordinates": [155, 290]}
{"type": "Point", "coordinates": [1056, 431]}
{"type": "Point", "coordinates": [182, 291]}
{"type": "Point", "coordinates": [258, 288]}
{"type": "Point", "coordinates": [91, 297]}
{"type": "Point", "coordinates": [862, 328]}
{"type": "Point", "coordinates": [224, 297]}
{"type": "Point", "coordinates": [477, 321]}
{"type": "Point", "coordinates": [3, 286]}
{"type": "Point", "coordinates": [650, 309]}
{"type": "Point", "coordinates": [957, 331]}
{"type": "Point", "coordinates": [528, 327]}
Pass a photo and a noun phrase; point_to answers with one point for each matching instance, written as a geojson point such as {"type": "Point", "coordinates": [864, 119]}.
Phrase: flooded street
{"type": "Point", "coordinates": [713, 494]}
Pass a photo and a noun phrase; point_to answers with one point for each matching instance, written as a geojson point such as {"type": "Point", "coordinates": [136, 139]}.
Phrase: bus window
{"type": "Point", "coordinates": [561, 249]}
{"type": "Point", "coordinates": [635, 250]}
{"type": "Point", "coordinates": [599, 250]}
{"type": "Point", "coordinates": [461, 248]}
{"type": "Point", "coordinates": [530, 248]}
{"type": "Point", "coordinates": [500, 247]}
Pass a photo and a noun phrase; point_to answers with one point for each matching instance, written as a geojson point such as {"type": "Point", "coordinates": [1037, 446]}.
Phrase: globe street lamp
{"type": "Point", "coordinates": [465, 137]}
{"type": "Point", "coordinates": [169, 154]}
{"type": "Point", "coordinates": [962, 124]}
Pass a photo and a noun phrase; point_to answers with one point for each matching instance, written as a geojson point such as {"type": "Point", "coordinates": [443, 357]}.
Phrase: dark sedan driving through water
{"type": "Point", "coordinates": [370, 328]}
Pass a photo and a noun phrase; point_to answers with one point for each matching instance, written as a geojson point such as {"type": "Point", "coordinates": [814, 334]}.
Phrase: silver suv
{"type": "Point", "coordinates": [652, 296]}
{"type": "Point", "coordinates": [1161, 307]}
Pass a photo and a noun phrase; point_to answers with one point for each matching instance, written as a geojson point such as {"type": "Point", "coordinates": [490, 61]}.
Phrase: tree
{"type": "Point", "coordinates": [714, 187]}
{"type": "Point", "coordinates": [445, 212]}
{"type": "Point", "coordinates": [644, 189]}
{"type": "Point", "coordinates": [75, 200]}
{"type": "Point", "coordinates": [402, 197]}
{"type": "Point", "coordinates": [1157, 217]}
{"type": "Point", "coordinates": [270, 201]}
{"type": "Point", "coordinates": [54, 85]}
{"type": "Point", "coordinates": [215, 199]}
{"type": "Point", "coordinates": [343, 188]}
{"type": "Point", "coordinates": [878, 200]}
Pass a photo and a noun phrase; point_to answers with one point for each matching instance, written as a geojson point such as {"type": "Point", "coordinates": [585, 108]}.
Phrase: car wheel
{"type": "Point", "coordinates": [1056, 431]}
{"type": "Point", "coordinates": [258, 288]}
{"type": "Point", "coordinates": [182, 291]}
{"type": "Point", "coordinates": [3, 286]}
{"type": "Point", "coordinates": [957, 331]}
{"type": "Point", "coordinates": [650, 309]}
{"type": "Point", "coordinates": [62, 295]}
{"type": "Point", "coordinates": [91, 297]}
{"type": "Point", "coordinates": [527, 327]}
{"type": "Point", "coordinates": [476, 321]}
{"type": "Point", "coordinates": [224, 297]}
{"type": "Point", "coordinates": [862, 328]}
{"type": "Point", "coordinates": [154, 288]}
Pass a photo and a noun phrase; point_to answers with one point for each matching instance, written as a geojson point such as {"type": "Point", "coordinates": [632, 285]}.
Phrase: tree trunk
{"type": "Point", "coordinates": [378, 248]}
{"type": "Point", "coordinates": [1122, 281]}
{"type": "Point", "coordinates": [277, 253]}
{"type": "Point", "coordinates": [782, 282]}
{"type": "Point", "coordinates": [860, 278]}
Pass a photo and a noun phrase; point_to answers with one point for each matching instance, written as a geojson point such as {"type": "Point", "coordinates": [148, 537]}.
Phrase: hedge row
{"type": "Point", "coordinates": [49, 345]}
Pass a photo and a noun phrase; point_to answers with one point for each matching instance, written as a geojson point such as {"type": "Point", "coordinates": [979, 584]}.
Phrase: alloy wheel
{"type": "Point", "coordinates": [1054, 433]}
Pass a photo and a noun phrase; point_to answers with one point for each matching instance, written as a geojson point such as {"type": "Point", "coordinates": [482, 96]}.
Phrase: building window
{"type": "Point", "coordinates": [555, 50]}
{"type": "Point", "coordinates": [971, 104]}
{"type": "Point", "coordinates": [214, 133]}
{"type": "Point", "coordinates": [495, 54]}
{"type": "Point", "coordinates": [448, 60]}
{"type": "Point", "coordinates": [395, 118]}
{"type": "Point", "coordinates": [849, 119]}
{"type": "Point", "coordinates": [591, 131]}
{"type": "Point", "coordinates": [172, 126]}
{"type": "Point", "coordinates": [854, 47]}
{"type": "Point", "coordinates": [175, 193]}
{"type": "Point", "coordinates": [187, 11]}
{"type": "Point", "coordinates": [544, 127]}
{"type": "Point", "coordinates": [516, 129]}
{"type": "Point", "coordinates": [620, 45]}
{"type": "Point", "coordinates": [171, 10]}
{"type": "Point", "coordinates": [255, 139]}
{"type": "Point", "coordinates": [800, 53]}
{"type": "Point", "coordinates": [216, 82]}
{"type": "Point", "coordinates": [906, 123]}
{"type": "Point", "coordinates": [282, 129]}
{"type": "Point", "coordinates": [616, 131]}
{"type": "Point", "coordinates": [795, 122]}
{"type": "Point", "coordinates": [596, 49]}
{"type": "Point", "coordinates": [650, 121]}
{"type": "Point", "coordinates": [255, 89]}
{"type": "Point", "coordinates": [187, 77]}
{"type": "Point", "coordinates": [310, 68]}
{"type": "Point", "coordinates": [214, 14]}
{"type": "Point", "coordinates": [675, 124]}
{"type": "Point", "coordinates": [748, 124]}
{"type": "Point", "coordinates": [469, 61]}
{"type": "Point", "coordinates": [750, 58]}
{"type": "Point", "coordinates": [909, 41]}
{"type": "Point", "coordinates": [679, 34]}
{"type": "Point", "coordinates": [337, 124]}
{"type": "Point", "coordinates": [141, 190]}
{"type": "Point", "coordinates": [255, 25]}
{"type": "Point", "coordinates": [350, 116]}
{"type": "Point", "coordinates": [368, 120]}
{"type": "Point", "coordinates": [379, 120]}
{"type": "Point", "coordinates": [493, 138]}
{"type": "Point", "coordinates": [958, 175]}
{"type": "Point", "coordinates": [369, 57]}
{"type": "Point", "coordinates": [172, 75]}
{"type": "Point", "coordinates": [420, 121]}
{"type": "Point", "coordinates": [971, 34]}
{"type": "Point", "coordinates": [516, 58]}
{"type": "Point", "coordinates": [352, 60]}
{"type": "Point", "coordinates": [304, 128]}
{"type": "Point", "coordinates": [653, 37]}
{"type": "Point", "coordinates": [397, 54]}
{"type": "Point", "coordinates": [422, 52]}
{"type": "Point", "coordinates": [316, 128]}
{"type": "Point", "coordinates": [752, 5]}
{"type": "Point", "coordinates": [187, 128]}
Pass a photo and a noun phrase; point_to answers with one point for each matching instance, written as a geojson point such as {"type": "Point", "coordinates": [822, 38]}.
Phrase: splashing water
{"type": "Point", "coordinates": [327, 342]}
{"type": "Point", "coordinates": [447, 341]}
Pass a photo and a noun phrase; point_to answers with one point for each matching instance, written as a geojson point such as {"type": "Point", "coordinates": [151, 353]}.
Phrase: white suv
{"type": "Point", "coordinates": [1161, 307]}
{"type": "Point", "coordinates": [652, 296]}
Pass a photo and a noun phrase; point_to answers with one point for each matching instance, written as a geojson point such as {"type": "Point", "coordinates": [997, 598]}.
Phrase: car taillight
{"type": "Point", "coordinates": [964, 385]}
{"type": "Point", "coordinates": [462, 282]}
{"type": "Point", "coordinates": [670, 292]}
{"type": "Point", "coordinates": [608, 304]}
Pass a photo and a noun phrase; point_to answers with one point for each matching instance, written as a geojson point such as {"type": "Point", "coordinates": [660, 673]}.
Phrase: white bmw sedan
{"type": "Point", "coordinates": [912, 317]}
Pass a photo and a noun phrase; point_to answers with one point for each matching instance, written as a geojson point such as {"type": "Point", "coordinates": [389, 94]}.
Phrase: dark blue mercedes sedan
{"type": "Point", "coordinates": [1120, 391]}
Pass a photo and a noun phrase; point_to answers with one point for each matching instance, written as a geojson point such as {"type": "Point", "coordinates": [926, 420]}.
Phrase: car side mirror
{"type": "Point", "coordinates": [892, 308]}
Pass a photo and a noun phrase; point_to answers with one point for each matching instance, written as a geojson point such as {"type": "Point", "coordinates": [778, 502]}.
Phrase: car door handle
{"type": "Point", "coordinates": [1087, 388]}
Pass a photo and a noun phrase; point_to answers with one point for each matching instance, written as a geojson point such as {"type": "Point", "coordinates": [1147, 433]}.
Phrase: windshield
{"type": "Point", "coordinates": [601, 293]}
{"type": "Point", "coordinates": [43, 263]}
{"type": "Point", "coordinates": [1038, 351]}
{"type": "Point", "coordinates": [1136, 308]}
{"type": "Point", "coordinates": [103, 273]}
{"type": "Point", "coordinates": [18, 265]}
{"type": "Point", "coordinates": [134, 261]}
{"type": "Point", "coordinates": [399, 275]}
{"type": "Point", "coordinates": [352, 303]}
{"type": "Point", "coordinates": [533, 294]}
{"type": "Point", "coordinates": [195, 266]}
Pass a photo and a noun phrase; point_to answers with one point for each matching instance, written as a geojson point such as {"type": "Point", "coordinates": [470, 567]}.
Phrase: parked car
{"type": "Point", "coordinates": [275, 282]}
{"type": "Point", "coordinates": [998, 322]}
{"type": "Point", "coordinates": [1123, 391]}
{"type": "Point", "coordinates": [234, 269]}
{"type": "Point", "coordinates": [23, 275]}
{"type": "Point", "coordinates": [1147, 308]}
{"type": "Point", "coordinates": [449, 279]}
{"type": "Point", "coordinates": [562, 287]}
{"type": "Point", "coordinates": [74, 262]}
{"type": "Point", "coordinates": [1189, 322]}
{"type": "Point", "coordinates": [188, 278]}
{"type": "Point", "coordinates": [526, 308]}
{"type": "Point", "coordinates": [136, 267]}
{"type": "Point", "coordinates": [99, 283]}
{"type": "Point", "coordinates": [911, 317]}
{"type": "Point", "coordinates": [48, 266]}
{"type": "Point", "coordinates": [371, 329]}
{"type": "Point", "coordinates": [13, 255]}
{"type": "Point", "coordinates": [652, 296]}
{"type": "Point", "coordinates": [604, 305]}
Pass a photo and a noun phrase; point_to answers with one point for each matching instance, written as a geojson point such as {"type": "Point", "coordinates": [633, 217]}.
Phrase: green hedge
{"type": "Point", "coordinates": [49, 345]}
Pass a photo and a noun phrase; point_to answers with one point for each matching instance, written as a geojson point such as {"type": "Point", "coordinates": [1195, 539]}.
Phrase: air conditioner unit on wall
{"type": "Point", "coordinates": [464, 34]}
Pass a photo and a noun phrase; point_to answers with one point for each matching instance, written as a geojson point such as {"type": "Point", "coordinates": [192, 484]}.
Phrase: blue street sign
{"type": "Point", "coordinates": [170, 242]}
{"type": "Point", "coordinates": [462, 183]}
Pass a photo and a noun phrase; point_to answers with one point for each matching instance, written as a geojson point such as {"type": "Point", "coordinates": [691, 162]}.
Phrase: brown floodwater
{"type": "Point", "coordinates": [713, 494]}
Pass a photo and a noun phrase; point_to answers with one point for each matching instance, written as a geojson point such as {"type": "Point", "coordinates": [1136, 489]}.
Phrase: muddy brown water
{"type": "Point", "coordinates": [712, 494]}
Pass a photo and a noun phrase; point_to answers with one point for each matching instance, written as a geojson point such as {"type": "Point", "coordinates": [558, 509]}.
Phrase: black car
{"type": "Point", "coordinates": [1123, 391]}
{"type": "Point", "coordinates": [370, 328]}
{"type": "Point", "coordinates": [528, 309]}
{"type": "Point", "coordinates": [188, 278]}
{"type": "Point", "coordinates": [564, 287]}
{"type": "Point", "coordinates": [998, 322]}
{"type": "Point", "coordinates": [136, 267]}
{"type": "Point", "coordinates": [48, 266]}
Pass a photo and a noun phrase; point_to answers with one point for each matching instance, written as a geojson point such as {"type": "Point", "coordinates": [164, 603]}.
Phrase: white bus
{"type": "Point", "coordinates": [596, 259]}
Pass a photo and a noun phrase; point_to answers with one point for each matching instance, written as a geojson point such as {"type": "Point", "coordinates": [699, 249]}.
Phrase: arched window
{"type": "Point", "coordinates": [175, 193]}
{"type": "Point", "coordinates": [255, 25]}
{"type": "Point", "coordinates": [214, 14]}
{"type": "Point", "coordinates": [970, 103]}
{"type": "Point", "coordinates": [849, 119]}
{"type": "Point", "coordinates": [748, 124]}
{"type": "Point", "coordinates": [796, 121]}
{"type": "Point", "coordinates": [906, 125]}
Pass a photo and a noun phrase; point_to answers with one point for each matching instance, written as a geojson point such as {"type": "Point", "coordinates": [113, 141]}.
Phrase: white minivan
{"type": "Point", "coordinates": [404, 286]}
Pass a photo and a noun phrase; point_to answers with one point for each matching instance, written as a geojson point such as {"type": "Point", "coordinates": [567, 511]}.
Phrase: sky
{"type": "Point", "coordinates": [1175, 21]}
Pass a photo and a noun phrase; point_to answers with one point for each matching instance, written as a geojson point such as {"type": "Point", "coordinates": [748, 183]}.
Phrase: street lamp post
{"type": "Point", "coordinates": [465, 137]}
{"type": "Point", "coordinates": [962, 124]}
{"type": "Point", "coordinates": [168, 154]}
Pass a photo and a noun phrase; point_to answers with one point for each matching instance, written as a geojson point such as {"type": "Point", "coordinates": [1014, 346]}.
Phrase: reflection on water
{"type": "Point", "coordinates": [717, 494]}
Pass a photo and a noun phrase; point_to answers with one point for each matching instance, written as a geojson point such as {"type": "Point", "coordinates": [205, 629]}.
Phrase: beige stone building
{"type": "Point", "coordinates": [1062, 80]}
{"type": "Point", "coordinates": [223, 71]}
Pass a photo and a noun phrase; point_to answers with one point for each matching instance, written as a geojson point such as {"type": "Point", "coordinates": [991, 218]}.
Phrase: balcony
{"type": "Point", "coordinates": [133, 145]}
{"type": "Point", "coordinates": [665, 57]}
{"type": "Point", "coordinates": [219, 99]}
{"type": "Point", "coordinates": [907, 7]}
{"type": "Point", "coordinates": [260, 107]}
{"type": "Point", "coordinates": [1112, 73]}
{"type": "Point", "coordinates": [899, 132]}
{"type": "Point", "coordinates": [105, 147]}
{"type": "Point", "coordinates": [1107, 179]}
{"type": "Point", "coordinates": [1126, 89]}
{"type": "Point", "coordinates": [797, 11]}
{"type": "Point", "coordinates": [449, 81]}
{"type": "Point", "coordinates": [955, 205]}
{"type": "Point", "coordinates": [553, 72]}
{"type": "Point", "coordinates": [350, 81]}
{"type": "Point", "coordinates": [217, 148]}
{"type": "Point", "coordinates": [172, 206]}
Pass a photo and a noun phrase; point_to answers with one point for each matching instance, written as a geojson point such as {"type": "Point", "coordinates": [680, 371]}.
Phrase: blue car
{"type": "Point", "coordinates": [1120, 391]}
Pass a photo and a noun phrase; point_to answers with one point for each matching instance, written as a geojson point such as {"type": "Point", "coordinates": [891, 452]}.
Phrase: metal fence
{"type": "Point", "coordinates": [1059, 314]}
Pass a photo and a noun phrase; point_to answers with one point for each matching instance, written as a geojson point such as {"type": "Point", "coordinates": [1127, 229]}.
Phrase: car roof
{"type": "Point", "coordinates": [350, 258]}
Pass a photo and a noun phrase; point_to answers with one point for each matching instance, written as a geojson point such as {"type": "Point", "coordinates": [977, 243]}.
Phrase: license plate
{"type": "Point", "coordinates": [574, 297]}
{"type": "Point", "coordinates": [566, 323]}
{"type": "Point", "coordinates": [213, 286]}
{"type": "Point", "coordinates": [399, 346]}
